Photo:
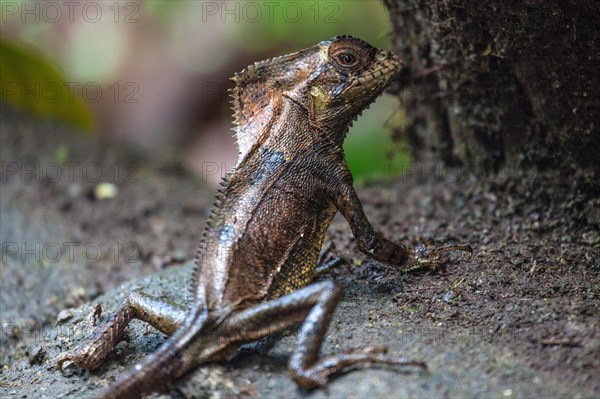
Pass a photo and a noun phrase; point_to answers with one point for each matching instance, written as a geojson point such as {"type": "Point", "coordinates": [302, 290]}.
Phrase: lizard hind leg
{"type": "Point", "coordinates": [164, 316]}
{"type": "Point", "coordinates": [313, 306]}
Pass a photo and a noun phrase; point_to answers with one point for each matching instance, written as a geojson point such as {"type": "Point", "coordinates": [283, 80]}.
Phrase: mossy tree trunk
{"type": "Point", "coordinates": [496, 85]}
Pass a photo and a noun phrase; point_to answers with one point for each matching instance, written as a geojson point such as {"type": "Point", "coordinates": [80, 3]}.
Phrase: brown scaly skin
{"type": "Point", "coordinates": [260, 251]}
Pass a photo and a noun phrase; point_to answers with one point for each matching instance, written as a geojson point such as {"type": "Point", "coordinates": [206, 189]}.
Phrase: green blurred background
{"type": "Point", "coordinates": [155, 74]}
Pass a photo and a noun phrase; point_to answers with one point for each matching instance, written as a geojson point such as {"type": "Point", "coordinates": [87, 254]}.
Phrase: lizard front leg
{"type": "Point", "coordinates": [328, 260]}
{"type": "Point", "coordinates": [378, 247]}
{"type": "Point", "coordinates": [162, 315]}
{"type": "Point", "coordinates": [313, 306]}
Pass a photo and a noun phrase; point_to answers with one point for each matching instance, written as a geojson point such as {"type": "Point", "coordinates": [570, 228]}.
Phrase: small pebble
{"type": "Point", "coordinates": [105, 191]}
{"type": "Point", "coordinates": [37, 355]}
{"type": "Point", "coordinates": [63, 316]}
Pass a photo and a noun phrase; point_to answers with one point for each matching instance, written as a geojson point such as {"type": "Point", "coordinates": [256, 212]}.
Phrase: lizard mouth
{"type": "Point", "coordinates": [375, 78]}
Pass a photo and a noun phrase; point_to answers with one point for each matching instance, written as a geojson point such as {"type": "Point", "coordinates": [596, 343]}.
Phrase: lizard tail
{"type": "Point", "coordinates": [155, 371]}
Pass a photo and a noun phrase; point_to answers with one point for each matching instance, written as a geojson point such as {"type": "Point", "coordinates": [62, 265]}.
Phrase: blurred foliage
{"type": "Point", "coordinates": [198, 39]}
{"type": "Point", "coordinates": [259, 26]}
{"type": "Point", "coordinates": [30, 82]}
{"type": "Point", "coordinates": [369, 151]}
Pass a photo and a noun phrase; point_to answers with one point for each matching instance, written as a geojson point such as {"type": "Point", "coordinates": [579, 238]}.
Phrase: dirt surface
{"type": "Point", "coordinates": [518, 319]}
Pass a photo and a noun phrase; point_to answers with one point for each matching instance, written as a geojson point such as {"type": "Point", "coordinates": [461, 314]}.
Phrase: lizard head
{"type": "Point", "coordinates": [351, 74]}
{"type": "Point", "coordinates": [333, 82]}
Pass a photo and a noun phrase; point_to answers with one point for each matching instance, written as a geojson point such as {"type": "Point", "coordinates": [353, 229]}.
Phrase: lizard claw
{"type": "Point", "coordinates": [81, 359]}
{"type": "Point", "coordinates": [62, 360]}
{"type": "Point", "coordinates": [434, 258]}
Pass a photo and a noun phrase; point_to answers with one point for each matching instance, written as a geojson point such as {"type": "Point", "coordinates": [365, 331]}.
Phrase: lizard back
{"type": "Point", "coordinates": [266, 231]}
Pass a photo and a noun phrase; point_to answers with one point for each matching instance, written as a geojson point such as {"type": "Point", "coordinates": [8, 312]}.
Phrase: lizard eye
{"type": "Point", "coordinates": [348, 60]}
{"type": "Point", "coordinates": [350, 55]}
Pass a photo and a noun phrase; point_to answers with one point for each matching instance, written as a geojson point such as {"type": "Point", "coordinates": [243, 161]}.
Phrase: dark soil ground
{"type": "Point", "coordinates": [518, 319]}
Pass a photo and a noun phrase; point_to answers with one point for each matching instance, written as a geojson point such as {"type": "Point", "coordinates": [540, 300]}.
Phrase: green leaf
{"type": "Point", "coordinates": [30, 82]}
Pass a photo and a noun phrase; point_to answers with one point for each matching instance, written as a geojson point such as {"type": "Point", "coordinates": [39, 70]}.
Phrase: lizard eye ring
{"type": "Point", "coordinates": [347, 60]}
{"type": "Point", "coordinates": [349, 55]}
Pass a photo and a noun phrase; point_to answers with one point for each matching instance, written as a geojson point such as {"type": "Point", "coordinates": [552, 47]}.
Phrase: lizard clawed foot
{"type": "Point", "coordinates": [64, 359]}
{"type": "Point", "coordinates": [318, 374]}
{"type": "Point", "coordinates": [427, 256]}
{"type": "Point", "coordinates": [378, 354]}
{"type": "Point", "coordinates": [82, 359]}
